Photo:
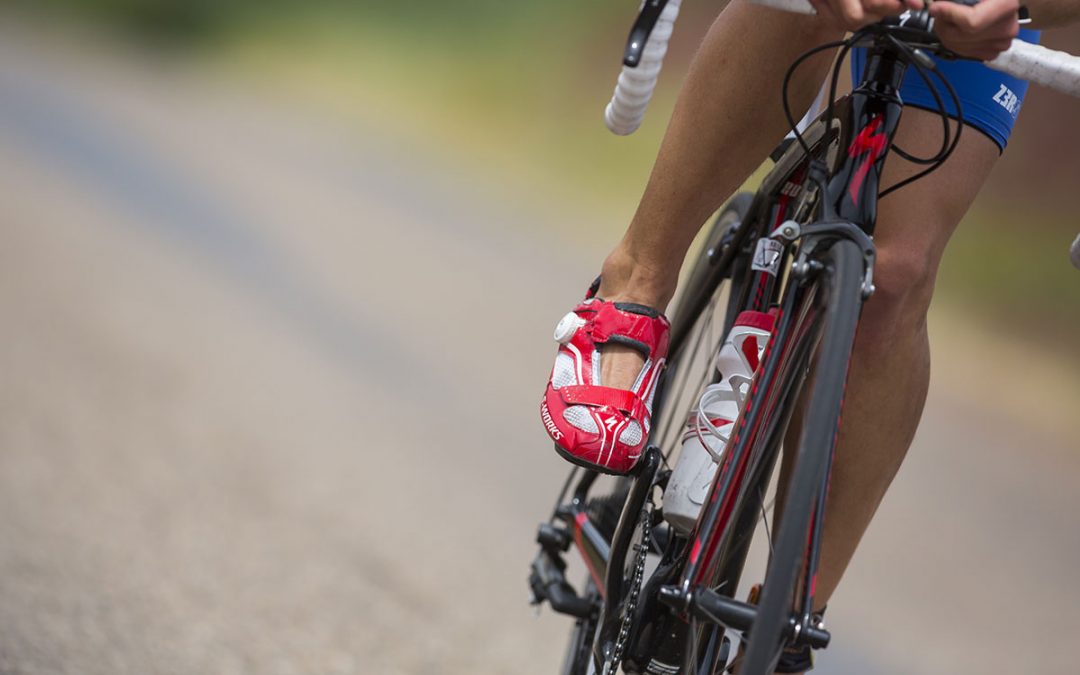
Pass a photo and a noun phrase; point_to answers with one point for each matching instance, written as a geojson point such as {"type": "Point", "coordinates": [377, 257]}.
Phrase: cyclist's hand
{"type": "Point", "coordinates": [854, 14]}
{"type": "Point", "coordinates": [982, 31]}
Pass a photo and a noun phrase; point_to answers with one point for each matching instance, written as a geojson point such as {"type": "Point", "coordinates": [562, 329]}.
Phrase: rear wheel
{"type": "Point", "coordinates": [604, 511]}
{"type": "Point", "coordinates": [716, 280]}
{"type": "Point", "coordinates": [711, 297]}
{"type": "Point", "coordinates": [578, 660]}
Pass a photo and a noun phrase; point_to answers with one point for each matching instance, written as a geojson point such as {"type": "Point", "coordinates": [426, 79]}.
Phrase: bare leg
{"type": "Point", "coordinates": [890, 364]}
{"type": "Point", "coordinates": [890, 368]}
{"type": "Point", "coordinates": [727, 119]}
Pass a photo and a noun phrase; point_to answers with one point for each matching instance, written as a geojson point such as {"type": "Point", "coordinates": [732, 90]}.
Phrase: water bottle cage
{"type": "Point", "coordinates": [737, 390]}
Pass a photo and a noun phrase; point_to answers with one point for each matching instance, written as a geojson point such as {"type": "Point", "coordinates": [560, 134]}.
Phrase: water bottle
{"type": "Point", "coordinates": [710, 424]}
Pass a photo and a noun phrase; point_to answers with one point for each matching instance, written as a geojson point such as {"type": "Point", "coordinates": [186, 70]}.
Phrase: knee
{"type": "Point", "coordinates": [904, 278]}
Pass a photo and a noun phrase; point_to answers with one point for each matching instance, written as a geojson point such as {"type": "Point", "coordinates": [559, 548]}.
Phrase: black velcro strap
{"type": "Point", "coordinates": [630, 342]}
{"type": "Point", "coordinates": [635, 308]}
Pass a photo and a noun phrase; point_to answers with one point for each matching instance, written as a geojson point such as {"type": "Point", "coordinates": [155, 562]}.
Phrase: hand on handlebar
{"type": "Point", "coordinates": [854, 14]}
{"type": "Point", "coordinates": [980, 31]}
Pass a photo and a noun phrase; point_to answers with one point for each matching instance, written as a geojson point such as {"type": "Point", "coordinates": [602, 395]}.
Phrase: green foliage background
{"type": "Point", "coordinates": [515, 89]}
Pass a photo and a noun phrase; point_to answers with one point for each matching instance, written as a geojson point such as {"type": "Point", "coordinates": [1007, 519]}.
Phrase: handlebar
{"type": "Point", "coordinates": [1048, 67]}
{"type": "Point", "coordinates": [624, 114]}
{"type": "Point", "coordinates": [644, 56]}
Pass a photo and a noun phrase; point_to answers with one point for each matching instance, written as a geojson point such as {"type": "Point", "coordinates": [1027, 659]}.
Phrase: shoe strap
{"type": "Point", "coordinates": [598, 396]}
{"type": "Point", "coordinates": [605, 321]}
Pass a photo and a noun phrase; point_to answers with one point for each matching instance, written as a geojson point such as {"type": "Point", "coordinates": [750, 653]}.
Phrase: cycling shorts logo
{"type": "Point", "coordinates": [767, 256]}
{"type": "Point", "coordinates": [548, 422]}
{"type": "Point", "coordinates": [1007, 99]}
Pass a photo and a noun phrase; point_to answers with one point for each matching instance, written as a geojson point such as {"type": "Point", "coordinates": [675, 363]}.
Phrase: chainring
{"type": "Point", "coordinates": [636, 569]}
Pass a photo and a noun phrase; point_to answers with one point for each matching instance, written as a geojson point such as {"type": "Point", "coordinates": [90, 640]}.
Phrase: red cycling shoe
{"type": "Point", "coordinates": [598, 427]}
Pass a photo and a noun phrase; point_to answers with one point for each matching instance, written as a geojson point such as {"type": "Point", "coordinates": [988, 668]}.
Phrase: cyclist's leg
{"type": "Point", "coordinates": [733, 87]}
{"type": "Point", "coordinates": [890, 366]}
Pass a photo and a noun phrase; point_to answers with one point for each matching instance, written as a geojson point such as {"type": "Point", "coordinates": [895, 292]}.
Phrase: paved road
{"type": "Point", "coordinates": [269, 408]}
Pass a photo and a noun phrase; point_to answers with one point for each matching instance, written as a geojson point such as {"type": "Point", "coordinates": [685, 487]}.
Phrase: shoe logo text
{"type": "Point", "coordinates": [548, 422]}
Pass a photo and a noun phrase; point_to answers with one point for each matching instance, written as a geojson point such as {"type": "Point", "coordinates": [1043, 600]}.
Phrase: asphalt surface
{"type": "Point", "coordinates": [270, 407]}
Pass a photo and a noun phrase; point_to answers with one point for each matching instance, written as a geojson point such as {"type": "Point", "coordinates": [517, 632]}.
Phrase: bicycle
{"type": "Point", "coordinates": [800, 247]}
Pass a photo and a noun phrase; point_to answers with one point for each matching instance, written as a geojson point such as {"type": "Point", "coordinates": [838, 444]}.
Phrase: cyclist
{"type": "Point", "coordinates": [728, 117]}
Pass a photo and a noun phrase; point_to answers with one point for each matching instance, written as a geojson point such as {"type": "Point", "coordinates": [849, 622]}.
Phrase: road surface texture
{"type": "Point", "coordinates": [269, 406]}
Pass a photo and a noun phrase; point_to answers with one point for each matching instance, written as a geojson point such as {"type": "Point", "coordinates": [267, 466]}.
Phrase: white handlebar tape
{"type": "Point", "coordinates": [1074, 252]}
{"type": "Point", "coordinates": [794, 6]}
{"type": "Point", "coordinates": [635, 87]}
{"type": "Point", "coordinates": [1048, 67]}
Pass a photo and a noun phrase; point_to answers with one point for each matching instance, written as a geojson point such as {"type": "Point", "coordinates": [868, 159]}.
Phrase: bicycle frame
{"type": "Point", "coordinates": [845, 190]}
{"type": "Point", "coordinates": [849, 207]}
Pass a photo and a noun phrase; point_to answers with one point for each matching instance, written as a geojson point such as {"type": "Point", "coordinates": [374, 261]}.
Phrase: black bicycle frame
{"type": "Point", "coordinates": [846, 206]}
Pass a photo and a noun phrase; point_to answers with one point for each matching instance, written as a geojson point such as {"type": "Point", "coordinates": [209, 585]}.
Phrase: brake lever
{"type": "Point", "coordinates": [642, 29]}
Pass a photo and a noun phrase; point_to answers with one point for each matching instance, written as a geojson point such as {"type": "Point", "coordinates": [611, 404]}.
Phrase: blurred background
{"type": "Point", "coordinates": [278, 285]}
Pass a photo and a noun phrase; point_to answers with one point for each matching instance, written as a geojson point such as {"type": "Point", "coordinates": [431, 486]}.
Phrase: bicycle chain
{"type": "Point", "coordinates": [612, 666]}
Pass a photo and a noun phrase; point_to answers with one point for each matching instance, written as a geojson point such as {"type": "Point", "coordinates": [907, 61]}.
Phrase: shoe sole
{"type": "Point", "coordinates": [589, 465]}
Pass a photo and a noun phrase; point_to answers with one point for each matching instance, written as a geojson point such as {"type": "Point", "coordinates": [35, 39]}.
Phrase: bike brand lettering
{"type": "Point", "coordinates": [872, 143]}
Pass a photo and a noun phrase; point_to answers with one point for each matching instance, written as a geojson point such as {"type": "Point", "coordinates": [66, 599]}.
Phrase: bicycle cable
{"type": "Point", "coordinates": [946, 133]}
{"type": "Point", "coordinates": [942, 110]}
{"type": "Point", "coordinates": [949, 140]}
{"type": "Point", "coordinates": [787, 83]}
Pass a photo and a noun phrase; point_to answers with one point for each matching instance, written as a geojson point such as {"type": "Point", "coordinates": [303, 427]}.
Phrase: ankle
{"type": "Point", "coordinates": [625, 278]}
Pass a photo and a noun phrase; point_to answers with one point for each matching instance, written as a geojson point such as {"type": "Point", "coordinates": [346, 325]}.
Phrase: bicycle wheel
{"type": "Point", "coordinates": [604, 511]}
{"type": "Point", "coordinates": [842, 277]}
{"type": "Point", "coordinates": [737, 511]}
{"type": "Point", "coordinates": [711, 296]}
{"type": "Point", "coordinates": [706, 287]}
{"type": "Point", "coordinates": [578, 659]}
{"type": "Point", "coordinates": [707, 305]}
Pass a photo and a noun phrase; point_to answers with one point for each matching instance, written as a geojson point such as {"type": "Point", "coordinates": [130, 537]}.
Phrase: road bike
{"type": "Point", "coordinates": [662, 596]}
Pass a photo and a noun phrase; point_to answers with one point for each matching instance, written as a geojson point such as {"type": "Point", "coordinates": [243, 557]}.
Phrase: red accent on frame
{"type": "Point", "coordinates": [872, 143]}
{"type": "Point", "coordinates": [729, 503]}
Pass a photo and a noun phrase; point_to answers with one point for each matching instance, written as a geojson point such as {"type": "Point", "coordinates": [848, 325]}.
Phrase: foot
{"type": "Point", "coordinates": [598, 402]}
{"type": "Point", "coordinates": [624, 280]}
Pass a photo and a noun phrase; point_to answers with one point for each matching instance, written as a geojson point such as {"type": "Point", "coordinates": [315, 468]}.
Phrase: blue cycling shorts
{"type": "Point", "coordinates": [991, 100]}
